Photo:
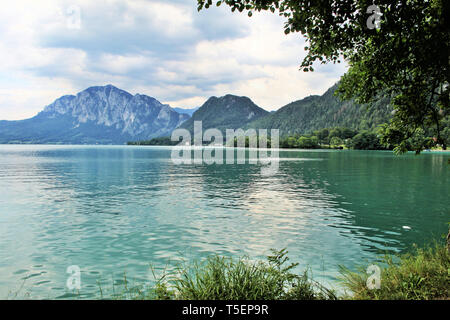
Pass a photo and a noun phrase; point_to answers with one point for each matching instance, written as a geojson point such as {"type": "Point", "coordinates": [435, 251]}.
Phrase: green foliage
{"type": "Point", "coordinates": [317, 112]}
{"type": "Point", "coordinates": [308, 142]}
{"type": "Point", "coordinates": [342, 133]}
{"type": "Point", "coordinates": [322, 135]}
{"type": "Point", "coordinates": [409, 59]}
{"type": "Point", "coordinates": [446, 130]}
{"type": "Point", "coordinates": [336, 137]}
{"type": "Point", "coordinates": [259, 142]}
{"type": "Point", "coordinates": [128, 290]}
{"type": "Point", "coordinates": [290, 142]}
{"type": "Point", "coordinates": [331, 138]}
{"type": "Point", "coordinates": [222, 278]}
{"type": "Point", "coordinates": [419, 141]}
{"type": "Point", "coordinates": [228, 112]}
{"type": "Point", "coordinates": [162, 141]}
{"type": "Point", "coordinates": [421, 275]}
{"type": "Point", "coordinates": [336, 141]}
{"type": "Point", "coordinates": [365, 141]}
{"type": "Point", "coordinates": [406, 58]}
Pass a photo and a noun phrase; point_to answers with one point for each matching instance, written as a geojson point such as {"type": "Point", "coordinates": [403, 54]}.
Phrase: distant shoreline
{"type": "Point", "coordinates": [166, 146]}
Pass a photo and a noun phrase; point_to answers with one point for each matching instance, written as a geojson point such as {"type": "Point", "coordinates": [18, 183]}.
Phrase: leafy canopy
{"type": "Point", "coordinates": [406, 57]}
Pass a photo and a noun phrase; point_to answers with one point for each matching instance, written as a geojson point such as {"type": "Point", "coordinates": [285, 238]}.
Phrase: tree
{"type": "Point", "coordinates": [322, 135]}
{"type": "Point", "coordinates": [419, 141]}
{"type": "Point", "coordinates": [347, 133]}
{"type": "Point", "coordinates": [405, 54]}
{"type": "Point", "coordinates": [336, 141]}
{"type": "Point", "coordinates": [336, 132]}
{"type": "Point", "coordinates": [292, 142]}
{"type": "Point", "coordinates": [446, 131]}
{"type": "Point", "coordinates": [366, 141]}
{"type": "Point", "coordinates": [308, 142]}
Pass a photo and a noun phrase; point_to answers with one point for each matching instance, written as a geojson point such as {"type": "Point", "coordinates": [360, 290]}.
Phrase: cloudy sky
{"type": "Point", "coordinates": [165, 49]}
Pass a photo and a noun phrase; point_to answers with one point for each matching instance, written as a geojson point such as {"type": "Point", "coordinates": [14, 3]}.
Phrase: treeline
{"type": "Point", "coordinates": [330, 138]}
{"type": "Point", "coordinates": [341, 137]}
{"type": "Point", "coordinates": [163, 141]}
{"type": "Point", "coordinates": [335, 138]}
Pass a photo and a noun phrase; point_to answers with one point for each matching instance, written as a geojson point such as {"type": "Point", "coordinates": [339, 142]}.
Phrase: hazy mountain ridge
{"type": "Point", "coordinates": [96, 115]}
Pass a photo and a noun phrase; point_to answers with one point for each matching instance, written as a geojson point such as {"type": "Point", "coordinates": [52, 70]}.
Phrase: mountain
{"type": "Point", "coordinates": [227, 112]}
{"type": "Point", "coordinates": [97, 115]}
{"type": "Point", "coordinates": [325, 111]}
{"type": "Point", "coordinates": [108, 115]}
{"type": "Point", "coordinates": [189, 112]}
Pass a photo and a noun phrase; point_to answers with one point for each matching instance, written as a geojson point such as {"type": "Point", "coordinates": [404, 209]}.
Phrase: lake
{"type": "Point", "coordinates": [120, 209]}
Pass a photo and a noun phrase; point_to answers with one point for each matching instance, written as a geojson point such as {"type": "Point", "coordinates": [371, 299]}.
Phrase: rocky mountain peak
{"type": "Point", "coordinates": [108, 108]}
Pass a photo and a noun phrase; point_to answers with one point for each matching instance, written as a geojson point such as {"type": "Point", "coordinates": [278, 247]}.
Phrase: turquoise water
{"type": "Point", "coordinates": [116, 209]}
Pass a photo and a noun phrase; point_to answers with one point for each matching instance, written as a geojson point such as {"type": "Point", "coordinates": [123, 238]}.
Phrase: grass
{"type": "Point", "coordinates": [223, 278]}
{"type": "Point", "coordinates": [421, 275]}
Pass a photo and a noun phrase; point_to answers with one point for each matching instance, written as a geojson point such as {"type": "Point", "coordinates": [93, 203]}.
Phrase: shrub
{"type": "Point", "coordinates": [336, 141]}
{"type": "Point", "coordinates": [222, 278]}
{"type": "Point", "coordinates": [366, 141]}
{"type": "Point", "coordinates": [421, 275]}
{"type": "Point", "coordinates": [308, 142]}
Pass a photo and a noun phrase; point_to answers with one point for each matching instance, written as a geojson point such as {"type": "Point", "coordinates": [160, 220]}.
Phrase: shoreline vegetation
{"type": "Point", "coordinates": [329, 138]}
{"type": "Point", "coordinates": [421, 274]}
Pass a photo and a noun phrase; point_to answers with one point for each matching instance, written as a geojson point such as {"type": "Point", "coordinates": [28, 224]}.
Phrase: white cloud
{"type": "Point", "coordinates": [164, 49]}
{"type": "Point", "coordinates": [188, 103]}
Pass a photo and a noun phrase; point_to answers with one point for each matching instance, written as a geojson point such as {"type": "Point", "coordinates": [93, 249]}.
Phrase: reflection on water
{"type": "Point", "coordinates": [112, 210]}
